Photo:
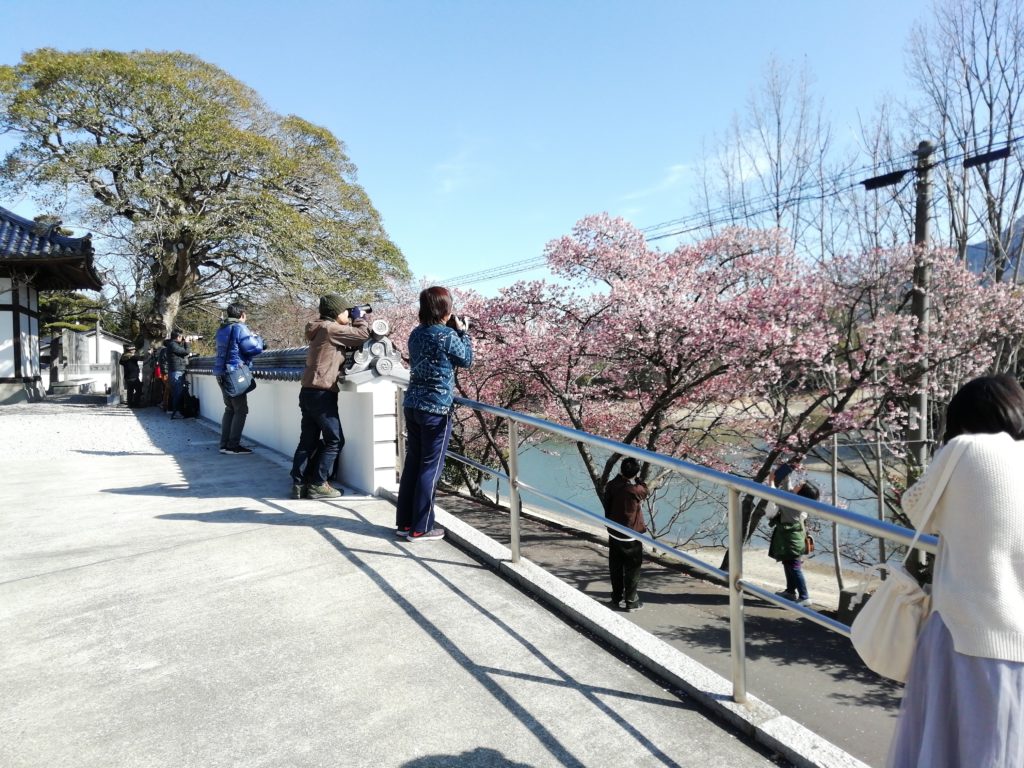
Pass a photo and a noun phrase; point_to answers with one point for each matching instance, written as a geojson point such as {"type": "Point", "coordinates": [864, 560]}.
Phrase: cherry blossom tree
{"type": "Point", "coordinates": [731, 352]}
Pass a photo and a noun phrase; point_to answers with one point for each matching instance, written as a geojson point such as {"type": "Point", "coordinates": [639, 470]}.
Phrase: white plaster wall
{"type": "Point", "coordinates": [367, 417]}
{"type": "Point", "coordinates": [107, 345]}
{"type": "Point", "coordinates": [30, 346]}
{"type": "Point", "coordinates": [6, 343]}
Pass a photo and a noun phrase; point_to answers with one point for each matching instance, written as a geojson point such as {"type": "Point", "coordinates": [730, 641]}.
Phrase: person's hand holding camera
{"type": "Point", "coordinates": [458, 324]}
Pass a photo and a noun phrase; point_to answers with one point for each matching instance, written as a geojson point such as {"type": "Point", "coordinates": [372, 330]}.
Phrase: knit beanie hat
{"type": "Point", "coordinates": [332, 305]}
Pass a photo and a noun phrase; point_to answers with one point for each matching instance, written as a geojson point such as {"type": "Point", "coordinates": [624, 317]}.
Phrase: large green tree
{"type": "Point", "coordinates": [201, 191]}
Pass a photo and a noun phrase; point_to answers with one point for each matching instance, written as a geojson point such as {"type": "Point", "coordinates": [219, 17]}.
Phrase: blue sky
{"type": "Point", "coordinates": [484, 129]}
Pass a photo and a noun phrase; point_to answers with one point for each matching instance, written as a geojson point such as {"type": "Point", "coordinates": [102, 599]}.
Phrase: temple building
{"type": "Point", "coordinates": [33, 258]}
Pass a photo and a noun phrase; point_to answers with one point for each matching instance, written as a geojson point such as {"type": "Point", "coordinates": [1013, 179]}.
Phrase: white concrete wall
{"type": "Point", "coordinates": [367, 418]}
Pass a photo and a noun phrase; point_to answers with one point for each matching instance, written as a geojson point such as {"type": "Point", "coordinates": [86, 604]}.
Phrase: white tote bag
{"type": "Point", "coordinates": [885, 631]}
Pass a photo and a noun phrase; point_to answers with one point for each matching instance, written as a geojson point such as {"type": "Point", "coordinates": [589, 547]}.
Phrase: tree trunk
{"type": "Point", "coordinates": [752, 513]}
{"type": "Point", "coordinates": [160, 321]}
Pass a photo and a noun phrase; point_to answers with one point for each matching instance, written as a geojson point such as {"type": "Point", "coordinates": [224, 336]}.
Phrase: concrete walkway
{"type": "Point", "coordinates": [805, 671]}
{"type": "Point", "coordinates": [162, 605]}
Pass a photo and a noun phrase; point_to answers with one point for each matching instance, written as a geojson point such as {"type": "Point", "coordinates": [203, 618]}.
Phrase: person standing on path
{"type": "Point", "coordinates": [963, 703]}
{"type": "Point", "coordinates": [340, 327]}
{"type": "Point", "coordinates": [236, 345]}
{"type": "Point", "coordinates": [178, 350]}
{"type": "Point", "coordinates": [789, 535]}
{"type": "Point", "coordinates": [623, 497]}
{"type": "Point", "coordinates": [132, 375]}
{"type": "Point", "coordinates": [437, 346]}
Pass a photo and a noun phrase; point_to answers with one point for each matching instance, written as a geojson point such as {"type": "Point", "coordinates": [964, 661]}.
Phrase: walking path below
{"type": "Point", "coordinates": [162, 604]}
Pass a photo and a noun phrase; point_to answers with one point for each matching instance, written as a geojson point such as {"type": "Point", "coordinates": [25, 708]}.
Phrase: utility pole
{"type": "Point", "coordinates": [920, 301]}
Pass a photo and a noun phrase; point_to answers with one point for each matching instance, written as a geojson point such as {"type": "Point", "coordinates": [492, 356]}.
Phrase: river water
{"type": "Point", "coordinates": [556, 468]}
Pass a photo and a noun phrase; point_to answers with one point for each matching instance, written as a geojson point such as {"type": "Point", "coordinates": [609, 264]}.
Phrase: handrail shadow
{"type": "Point", "coordinates": [328, 526]}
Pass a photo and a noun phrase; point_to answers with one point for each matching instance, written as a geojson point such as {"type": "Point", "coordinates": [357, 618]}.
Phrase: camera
{"type": "Point", "coordinates": [457, 323]}
{"type": "Point", "coordinates": [364, 308]}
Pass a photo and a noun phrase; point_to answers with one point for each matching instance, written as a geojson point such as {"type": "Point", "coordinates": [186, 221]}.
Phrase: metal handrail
{"type": "Point", "coordinates": [734, 484]}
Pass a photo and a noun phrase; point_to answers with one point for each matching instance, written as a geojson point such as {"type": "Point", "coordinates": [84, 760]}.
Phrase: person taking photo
{"type": "Point", "coordinates": [340, 327]}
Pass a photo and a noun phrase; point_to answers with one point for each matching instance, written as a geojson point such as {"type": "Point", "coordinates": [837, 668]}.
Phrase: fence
{"type": "Point", "coordinates": [733, 484]}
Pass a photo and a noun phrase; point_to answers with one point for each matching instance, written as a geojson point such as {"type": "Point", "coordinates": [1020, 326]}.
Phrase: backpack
{"type": "Point", "coordinates": [160, 369]}
{"type": "Point", "coordinates": [189, 402]}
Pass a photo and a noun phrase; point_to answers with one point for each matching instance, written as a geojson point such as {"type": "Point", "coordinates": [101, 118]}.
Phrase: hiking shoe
{"type": "Point", "coordinates": [299, 491]}
{"type": "Point", "coordinates": [403, 531]}
{"type": "Point", "coordinates": [241, 450]}
{"type": "Point", "coordinates": [787, 595]}
{"type": "Point", "coordinates": [634, 606]}
{"type": "Point", "coordinates": [615, 605]}
{"type": "Point", "coordinates": [324, 491]}
{"type": "Point", "coordinates": [804, 601]}
{"type": "Point", "coordinates": [434, 534]}
{"type": "Point", "coordinates": [223, 449]}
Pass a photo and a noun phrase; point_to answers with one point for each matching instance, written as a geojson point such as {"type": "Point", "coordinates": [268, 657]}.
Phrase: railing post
{"type": "Point", "coordinates": [736, 630]}
{"type": "Point", "coordinates": [400, 417]}
{"type": "Point", "coordinates": [513, 486]}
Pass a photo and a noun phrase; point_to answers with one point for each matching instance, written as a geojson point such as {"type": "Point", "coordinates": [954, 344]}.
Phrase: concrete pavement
{"type": "Point", "coordinates": [162, 605]}
{"type": "Point", "coordinates": [807, 672]}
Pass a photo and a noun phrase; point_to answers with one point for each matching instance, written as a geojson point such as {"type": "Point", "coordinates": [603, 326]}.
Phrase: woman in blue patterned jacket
{"type": "Point", "coordinates": [437, 346]}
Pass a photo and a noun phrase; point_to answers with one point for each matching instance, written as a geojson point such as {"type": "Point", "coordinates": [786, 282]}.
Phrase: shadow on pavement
{"type": "Point", "coordinates": [480, 757]}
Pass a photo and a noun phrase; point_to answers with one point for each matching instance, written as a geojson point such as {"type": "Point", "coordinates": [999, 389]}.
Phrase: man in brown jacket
{"type": "Point", "coordinates": [622, 504]}
{"type": "Point", "coordinates": [321, 437]}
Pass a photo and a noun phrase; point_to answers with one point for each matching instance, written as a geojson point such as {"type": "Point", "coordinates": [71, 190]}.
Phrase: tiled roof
{"type": "Point", "coordinates": [53, 261]}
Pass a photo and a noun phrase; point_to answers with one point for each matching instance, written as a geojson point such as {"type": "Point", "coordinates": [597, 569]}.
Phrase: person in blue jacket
{"type": "Point", "coordinates": [437, 346]}
{"type": "Point", "coordinates": [236, 344]}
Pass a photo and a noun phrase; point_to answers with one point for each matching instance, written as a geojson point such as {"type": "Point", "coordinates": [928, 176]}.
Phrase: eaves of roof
{"type": "Point", "coordinates": [52, 261]}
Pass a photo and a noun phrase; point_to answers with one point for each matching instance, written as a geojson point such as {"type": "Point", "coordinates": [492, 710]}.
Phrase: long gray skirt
{"type": "Point", "coordinates": [958, 711]}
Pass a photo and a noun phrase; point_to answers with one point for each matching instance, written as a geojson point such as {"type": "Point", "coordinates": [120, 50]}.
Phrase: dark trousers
{"type": "Point", "coordinates": [134, 391]}
{"type": "Point", "coordinates": [320, 438]}
{"type": "Point", "coordinates": [624, 559]}
{"type": "Point", "coordinates": [233, 422]}
{"type": "Point", "coordinates": [425, 445]}
{"type": "Point", "coordinates": [176, 380]}
{"type": "Point", "coordinates": [795, 581]}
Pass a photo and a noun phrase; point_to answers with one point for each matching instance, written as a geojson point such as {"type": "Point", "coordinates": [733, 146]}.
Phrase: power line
{"type": "Point", "coordinates": [500, 271]}
{"type": "Point", "coordinates": [770, 201]}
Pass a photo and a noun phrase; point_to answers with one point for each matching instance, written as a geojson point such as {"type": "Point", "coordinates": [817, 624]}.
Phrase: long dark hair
{"type": "Point", "coordinates": [989, 404]}
{"type": "Point", "coordinates": [435, 305]}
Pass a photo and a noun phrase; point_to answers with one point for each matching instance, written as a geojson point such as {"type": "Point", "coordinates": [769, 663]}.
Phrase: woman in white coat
{"type": "Point", "coordinates": [964, 700]}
